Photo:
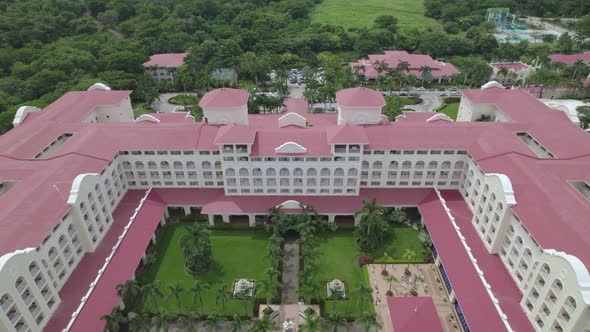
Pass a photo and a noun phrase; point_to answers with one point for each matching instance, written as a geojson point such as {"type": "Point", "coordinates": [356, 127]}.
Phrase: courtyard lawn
{"type": "Point", "coordinates": [403, 237]}
{"type": "Point", "coordinates": [357, 14]}
{"type": "Point", "coordinates": [451, 110]}
{"type": "Point", "coordinates": [238, 254]}
{"type": "Point", "coordinates": [338, 259]}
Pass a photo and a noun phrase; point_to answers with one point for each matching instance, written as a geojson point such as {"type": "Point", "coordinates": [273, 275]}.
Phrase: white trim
{"type": "Point", "coordinates": [582, 275]}
{"type": "Point", "coordinates": [290, 204]}
{"type": "Point", "coordinates": [292, 118]}
{"type": "Point", "coordinates": [99, 86]}
{"type": "Point", "coordinates": [495, 300]}
{"type": "Point", "coordinates": [106, 262]}
{"type": "Point", "coordinates": [492, 84]}
{"type": "Point", "coordinates": [6, 257]}
{"type": "Point", "coordinates": [75, 190]}
{"type": "Point", "coordinates": [439, 116]}
{"type": "Point", "coordinates": [290, 147]}
{"type": "Point", "coordinates": [22, 113]}
{"type": "Point", "coordinates": [147, 117]}
{"type": "Point", "coordinates": [506, 188]}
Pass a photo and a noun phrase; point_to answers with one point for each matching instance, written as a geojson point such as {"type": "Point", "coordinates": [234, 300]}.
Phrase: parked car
{"type": "Point", "coordinates": [456, 94]}
{"type": "Point", "coordinates": [444, 94]}
{"type": "Point", "coordinates": [453, 89]}
{"type": "Point", "coordinates": [414, 95]}
{"type": "Point", "coordinates": [442, 89]}
{"type": "Point", "coordinates": [421, 89]}
{"type": "Point", "coordinates": [402, 94]}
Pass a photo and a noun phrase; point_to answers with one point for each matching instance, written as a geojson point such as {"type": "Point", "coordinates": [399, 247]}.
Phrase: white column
{"type": "Point", "coordinates": [357, 219]}
{"type": "Point", "coordinates": [153, 238]}
{"type": "Point", "coordinates": [225, 218]}
{"type": "Point", "coordinates": [437, 261]}
{"type": "Point", "coordinates": [211, 219]}
{"type": "Point", "coordinates": [452, 297]}
{"type": "Point", "coordinates": [163, 221]}
{"type": "Point", "coordinates": [187, 210]}
{"type": "Point", "coordinates": [331, 218]}
{"type": "Point", "coordinates": [166, 213]}
{"type": "Point", "coordinates": [252, 220]}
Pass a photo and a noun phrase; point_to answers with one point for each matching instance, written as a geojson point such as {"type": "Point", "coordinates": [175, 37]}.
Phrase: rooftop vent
{"type": "Point", "coordinates": [53, 146]}
{"type": "Point", "coordinates": [582, 187]}
{"type": "Point", "coordinates": [534, 145]}
{"type": "Point", "coordinates": [5, 186]}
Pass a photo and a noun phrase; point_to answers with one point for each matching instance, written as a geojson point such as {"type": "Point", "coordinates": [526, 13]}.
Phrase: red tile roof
{"type": "Point", "coordinates": [167, 60]}
{"type": "Point", "coordinates": [225, 98]}
{"type": "Point", "coordinates": [412, 314]}
{"type": "Point", "coordinates": [393, 58]}
{"type": "Point", "coordinates": [514, 66]}
{"type": "Point", "coordinates": [360, 97]}
{"type": "Point", "coordinates": [569, 59]}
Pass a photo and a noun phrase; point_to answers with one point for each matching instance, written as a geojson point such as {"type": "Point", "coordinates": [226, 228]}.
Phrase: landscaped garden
{"type": "Point", "coordinates": [450, 109]}
{"type": "Point", "coordinates": [237, 254]}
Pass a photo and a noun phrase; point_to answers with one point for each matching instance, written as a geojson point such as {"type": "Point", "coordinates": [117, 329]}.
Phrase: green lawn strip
{"type": "Point", "coordinates": [450, 110]}
{"type": "Point", "coordinates": [183, 99]}
{"type": "Point", "coordinates": [238, 254]}
{"type": "Point", "coordinates": [338, 259]}
{"type": "Point", "coordinates": [356, 14]}
{"type": "Point", "coordinates": [137, 112]}
{"type": "Point", "coordinates": [403, 237]}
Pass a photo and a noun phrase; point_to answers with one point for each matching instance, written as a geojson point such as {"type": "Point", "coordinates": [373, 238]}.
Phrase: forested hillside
{"type": "Point", "coordinates": [48, 47]}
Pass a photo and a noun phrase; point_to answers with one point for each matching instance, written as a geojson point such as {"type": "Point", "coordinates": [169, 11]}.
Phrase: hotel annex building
{"type": "Point", "coordinates": [507, 203]}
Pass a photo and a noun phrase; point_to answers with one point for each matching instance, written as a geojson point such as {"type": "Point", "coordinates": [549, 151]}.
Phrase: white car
{"type": "Point", "coordinates": [456, 94]}
{"type": "Point", "coordinates": [421, 89]}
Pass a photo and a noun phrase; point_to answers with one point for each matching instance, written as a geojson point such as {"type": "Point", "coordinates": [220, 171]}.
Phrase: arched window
{"type": "Point", "coordinates": [230, 172]}
{"type": "Point", "coordinates": [420, 165]}
{"type": "Point", "coordinates": [352, 172]}
{"type": "Point", "coordinates": [338, 172]}
{"type": "Point", "coordinates": [557, 284]}
{"type": "Point", "coordinates": [545, 269]}
{"type": "Point", "coordinates": [165, 165]}
{"type": "Point", "coordinates": [271, 172]}
{"type": "Point", "coordinates": [257, 172]}
{"type": "Point", "coordinates": [138, 165]}
{"type": "Point", "coordinates": [33, 268]}
{"type": "Point", "coordinates": [571, 302]}
{"type": "Point", "coordinates": [432, 165]}
{"type": "Point", "coordinates": [393, 165]}
{"type": "Point", "coordinates": [177, 165]}
{"type": "Point", "coordinates": [152, 165]}
{"type": "Point", "coordinates": [312, 172]}
{"type": "Point", "coordinates": [217, 165]}
{"type": "Point", "coordinates": [500, 206]}
{"type": "Point", "coordinates": [19, 282]}
{"type": "Point", "coordinates": [365, 164]}
{"type": "Point", "coordinates": [446, 165]}
{"type": "Point", "coordinates": [459, 165]}
{"type": "Point", "coordinates": [126, 165]}
{"type": "Point", "coordinates": [297, 172]}
{"type": "Point", "coordinates": [244, 171]}
{"type": "Point", "coordinates": [377, 165]}
{"type": "Point", "coordinates": [325, 172]}
{"type": "Point", "coordinates": [190, 165]}
{"type": "Point", "coordinates": [206, 165]}
{"type": "Point", "coordinates": [90, 198]}
{"type": "Point", "coordinates": [406, 165]}
{"type": "Point", "coordinates": [284, 172]}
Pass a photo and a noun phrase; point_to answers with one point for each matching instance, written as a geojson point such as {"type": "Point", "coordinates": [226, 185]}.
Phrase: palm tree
{"type": "Point", "coordinates": [267, 289]}
{"type": "Point", "coordinates": [139, 322]}
{"type": "Point", "coordinates": [425, 74]}
{"type": "Point", "coordinates": [184, 323]}
{"type": "Point", "coordinates": [272, 273]}
{"type": "Point", "coordinates": [128, 291]}
{"type": "Point", "coordinates": [198, 289]}
{"type": "Point", "coordinates": [391, 279]}
{"type": "Point", "coordinates": [196, 247]}
{"type": "Point", "coordinates": [243, 295]}
{"type": "Point", "coordinates": [336, 295]}
{"type": "Point", "coordinates": [152, 292]}
{"type": "Point", "coordinates": [193, 317]}
{"type": "Point", "coordinates": [213, 322]}
{"type": "Point", "coordinates": [176, 291]}
{"type": "Point", "coordinates": [503, 72]}
{"type": "Point", "coordinates": [403, 66]}
{"type": "Point", "coordinates": [160, 321]}
{"type": "Point", "coordinates": [578, 67]}
{"type": "Point", "coordinates": [369, 320]}
{"type": "Point", "coordinates": [409, 255]}
{"type": "Point", "coordinates": [364, 293]}
{"type": "Point", "coordinates": [308, 289]}
{"type": "Point", "coordinates": [236, 324]}
{"type": "Point", "coordinates": [336, 320]}
{"type": "Point", "coordinates": [311, 324]}
{"type": "Point", "coordinates": [373, 227]}
{"type": "Point", "coordinates": [113, 320]}
{"type": "Point", "coordinates": [263, 324]}
{"type": "Point", "coordinates": [221, 295]}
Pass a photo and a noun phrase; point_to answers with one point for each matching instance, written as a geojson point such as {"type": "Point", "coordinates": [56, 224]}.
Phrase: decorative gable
{"type": "Point", "coordinates": [290, 147]}
{"type": "Point", "coordinates": [292, 119]}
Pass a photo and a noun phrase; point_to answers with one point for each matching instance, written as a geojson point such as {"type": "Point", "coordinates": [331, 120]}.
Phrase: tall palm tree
{"type": "Point", "coordinates": [369, 320]}
{"type": "Point", "coordinates": [160, 321]}
{"type": "Point", "coordinates": [184, 323]}
{"type": "Point", "coordinates": [578, 67]}
{"type": "Point", "coordinates": [503, 73]}
{"type": "Point", "coordinates": [403, 66]}
{"type": "Point", "coordinates": [193, 318]}
{"type": "Point", "coordinates": [409, 255]}
{"type": "Point", "coordinates": [336, 296]}
{"type": "Point", "coordinates": [198, 289]}
{"type": "Point", "coordinates": [236, 324]}
{"type": "Point", "coordinates": [267, 289]}
{"type": "Point", "coordinates": [129, 291]}
{"type": "Point", "coordinates": [139, 322]}
{"type": "Point", "coordinates": [153, 292]}
{"type": "Point", "coordinates": [425, 74]}
{"type": "Point", "coordinates": [246, 299]}
{"type": "Point", "coordinates": [113, 320]}
{"type": "Point", "coordinates": [175, 291]}
{"type": "Point", "coordinates": [390, 280]}
{"type": "Point", "coordinates": [221, 295]}
{"type": "Point", "coordinates": [308, 289]}
{"type": "Point", "coordinates": [364, 292]}
{"type": "Point", "coordinates": [336, 320]}
{"type": "Point", "coordinates": [311, 324]}
{"type": "Point", "coordinates": [264, 324]}
{"type": "Point", "coordinates": [214, 321]}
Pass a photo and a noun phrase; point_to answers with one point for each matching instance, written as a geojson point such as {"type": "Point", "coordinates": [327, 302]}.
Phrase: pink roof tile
{"type": "Point", "coordinates": [225, 98]}
{"type": "Point", "coordinates": [346, 135]}
{"type": "Point", "coordinates": [393, 58]}
{"type": "Point", "coordinates": [296, 105]}
{"type": "Point", "coordinates": [235, 134]}
{"type": "Point", "coordinates": [411, 314]}
{"type": "Point", "coordinates": [569, 59]}
{"type": "Point", "coordinates": [360, 97]}
{"type": "Point", "coordinates": [168, 60]}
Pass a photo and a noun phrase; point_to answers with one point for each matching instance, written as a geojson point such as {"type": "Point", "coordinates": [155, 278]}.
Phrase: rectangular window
{"type": "Point", "coordinates": [534, 145]}
{"type": "Point", "coordinates": [48, 150]}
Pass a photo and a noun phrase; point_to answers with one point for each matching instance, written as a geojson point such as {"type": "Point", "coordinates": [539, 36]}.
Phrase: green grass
{"type": "Point", "coordinates": [356, 14]}
{"type": "Point", "coordinates": [183, 99]}
{"type": "Point", "coordinates": [451, 110]}
{"type": "Point", "coordinates": [237, 253]}
{"type": "Point", "coordinates": [403, 237]}
{"type": "Point", "coordinates": [338, 259]}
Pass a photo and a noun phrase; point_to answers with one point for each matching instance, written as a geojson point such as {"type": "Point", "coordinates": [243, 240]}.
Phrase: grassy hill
{"type": "Point", "coordinates": [355, 13]}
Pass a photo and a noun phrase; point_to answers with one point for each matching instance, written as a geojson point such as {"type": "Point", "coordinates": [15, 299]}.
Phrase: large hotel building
{"type": "Point", "coordinates": [84, 185]}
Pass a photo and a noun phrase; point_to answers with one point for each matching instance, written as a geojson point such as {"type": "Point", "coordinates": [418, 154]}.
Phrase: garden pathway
{"type": "Point", "coordinates": [290, 271]}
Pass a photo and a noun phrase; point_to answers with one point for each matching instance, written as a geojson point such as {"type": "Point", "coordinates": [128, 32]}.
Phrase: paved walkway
{"type": "Point", "coordinates": [163, 106]}
{"type": "Point", "coordinates": [430, 102]}
{"type": "Point", "coordinates": [290, 271]}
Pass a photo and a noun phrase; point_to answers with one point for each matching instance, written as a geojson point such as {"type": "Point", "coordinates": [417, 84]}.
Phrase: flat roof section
{"type": "Point", "coordinates": [412, 314]}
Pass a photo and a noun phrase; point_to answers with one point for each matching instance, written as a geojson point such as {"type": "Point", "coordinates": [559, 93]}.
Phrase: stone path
{"type": "Point", "coordinates": [290, 271]}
